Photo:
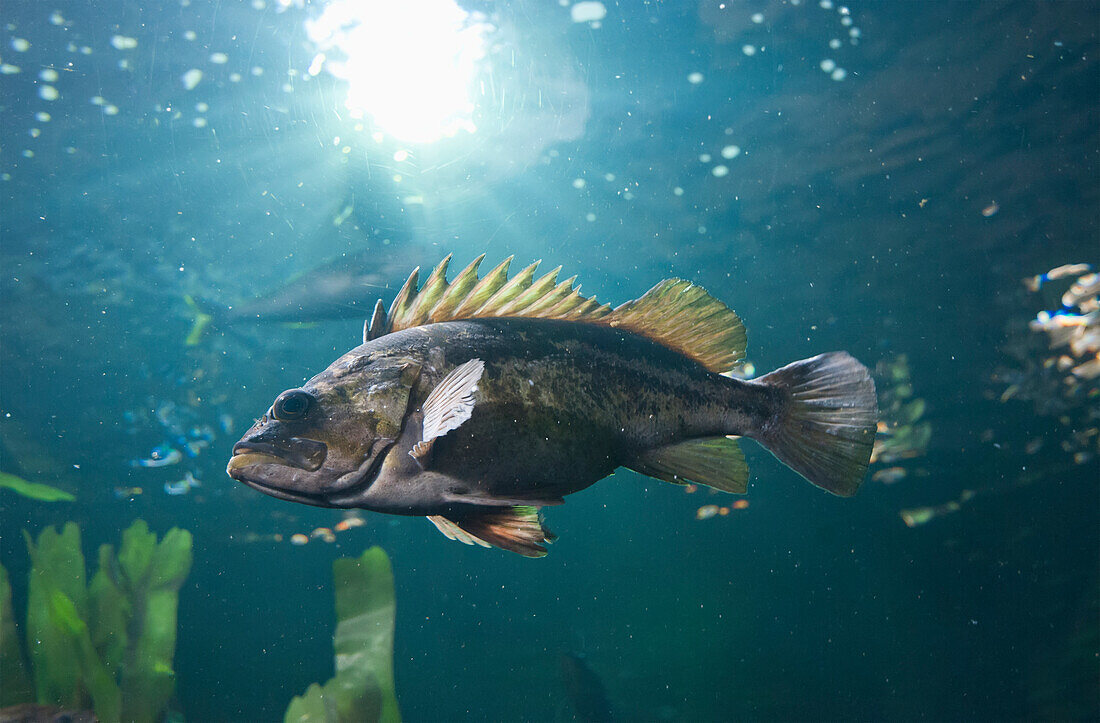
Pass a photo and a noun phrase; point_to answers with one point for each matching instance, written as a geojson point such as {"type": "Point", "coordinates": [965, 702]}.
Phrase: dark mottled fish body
{"type": "Point", "coordinates": [566, 403]}
{"type": "Point", "coordinates": [478, 401]}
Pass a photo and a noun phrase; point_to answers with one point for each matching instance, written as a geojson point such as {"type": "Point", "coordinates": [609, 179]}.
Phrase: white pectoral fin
{"type": "Point", "coordinates": [449, 405]}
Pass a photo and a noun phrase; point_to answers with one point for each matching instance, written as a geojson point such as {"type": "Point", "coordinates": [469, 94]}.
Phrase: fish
{"type": "Point", "coordinates": [479, 401]}
{"type": "Point", "coordinates": [344, 287]}
{"type": "Point", "coordinates": [585, 689]}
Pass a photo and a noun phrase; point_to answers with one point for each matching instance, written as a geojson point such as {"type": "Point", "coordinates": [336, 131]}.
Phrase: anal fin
{"type": "Point", "coordinates": [715, 462]}
{"type": "Point", "coordinates": [516, 529]}
{"type": "Point", "coordinates": [453, 532]}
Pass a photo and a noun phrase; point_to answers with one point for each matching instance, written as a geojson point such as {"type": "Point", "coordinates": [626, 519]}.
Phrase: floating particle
{"type": "Point", "coordinates": [257, 71]}
{"type": "Point", "coordinates": [704, 158]}
{"type": "Point", "coordinates": [219, 58]}
{"type": "Point", "coordinates": [298, 539]}
{"type": "Point", "coordinates": [839, 74]}
{"type": "Point", "coordinates": [749, 50]}
{"type": "Point", "coordinates": [258, 4]}
{"type": "Point", "coordinates": [723, 511]}
{"type": "Point", "coordinates": [8, 69]}
{"type": "Point", "coordinates": [349, 522]}
{"type": "Point", "coordinates": [56, 18]}
{"type": "Point", "coordinates": [34, 132]}
{"type": "Point", "coordinates": [98, 100]}
{"type": "Point", "coordinates": [588, 12]}
{"type": "Point", "coordinates": [202, 107]}
{"type": "Point", "coordinates": [609, 177]}
{"type": "Point", "coordinates": [846, 21]}
{"type": "Point", "coordinates": [110, 110]}
{"type": "Point", "coordinates": [324, 533]}
{"type": "Point", "coordinates": [854, 33]}
{"type": "Point", "coordinates": [189, 35]}
{"type": "Point", "coordinates": [199, 122]}
{"type": "Point", "coordinates": [28, 153]}
{"type": "Point", "coordinates": [889, 476]}
{"type": "Point", "coordinates": [691, 489]}
{"type": "Point", "coordinates": [835, 43]}
{"type": "Point", "coordinates": [48, 92]}
{"type": "Point", "coordinates": [695, 78]}
{"type": "Point", "coordinates": [20, 45]}
{"type": "Point", "coordinates": [826, 4]}
{"type": "Point", "coordinates": [828, 65]}
{"type": "Point", "coordinates": [991, 210]}
{"type": "Point", "coordinates": [720, 171]}
{"type": "Point", "coordinates": [1087, 370]}
{"type": "Point", "coordinates": [121, 42]}
{"type": "Point", "coordinates": [42, 116]}
{"type": "Point", "coordinates": [731, 152]}
{"type": "Point", "coordinates": [918, 516]}
{"type": "Point", "coordinates": [191, 78]}
{"type": "Point", "coordinates": [590, 217]}
{"type": "Point", "coordinates": [579, 183]}
{"type": "Point", "coordinates": [706, 512]}
{"type": "Point", "coordinates": [401, 156]}
{"type": "Point", "coordinates": [757, 18]}
{"type": "Point", "coordinates": [49, 75]}
{"type": "Point", "coordinates": [741, 504]}
{"type": "Point", "coordinates": [234, 77]}
{"type": "Point", "coordinates": [677, 191]}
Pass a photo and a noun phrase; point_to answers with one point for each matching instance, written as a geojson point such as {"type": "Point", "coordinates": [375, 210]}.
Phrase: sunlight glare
{"type": "Point", "coordinates": [409, 64]}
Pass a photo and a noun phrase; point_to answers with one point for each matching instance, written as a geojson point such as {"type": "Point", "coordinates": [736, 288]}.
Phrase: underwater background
{"type": "Point", "coordinates": [873, 177]}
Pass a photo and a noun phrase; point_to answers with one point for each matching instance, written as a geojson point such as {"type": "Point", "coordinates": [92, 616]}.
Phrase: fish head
{"type": "Point", "coordinates": [320, 444]}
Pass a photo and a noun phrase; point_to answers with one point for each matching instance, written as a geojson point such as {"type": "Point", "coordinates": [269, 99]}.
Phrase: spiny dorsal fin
{"type": "Point", "coordinates": [674, 313]}
{"type": "Point", "coordinates": [372, 328]}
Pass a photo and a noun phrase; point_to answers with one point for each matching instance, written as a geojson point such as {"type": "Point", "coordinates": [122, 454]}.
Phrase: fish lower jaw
{"type": "Point", "coordinates": [250, 459]}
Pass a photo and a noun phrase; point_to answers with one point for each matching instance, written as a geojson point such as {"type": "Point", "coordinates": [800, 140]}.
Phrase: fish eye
{"type": "Point", "coordinates": [291, 404]}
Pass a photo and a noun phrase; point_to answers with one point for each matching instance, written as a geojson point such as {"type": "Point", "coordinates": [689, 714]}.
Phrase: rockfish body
{"type": "Point", "coordinates": [479, 401]}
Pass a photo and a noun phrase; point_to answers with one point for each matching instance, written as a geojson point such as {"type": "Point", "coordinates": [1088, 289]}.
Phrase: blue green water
{"type": "Point", "coordinates": [891, 211]}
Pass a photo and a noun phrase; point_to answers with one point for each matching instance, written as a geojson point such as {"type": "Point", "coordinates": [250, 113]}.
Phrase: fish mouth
{"type": "Point", "coordinates": [282, 494]}
{"type": "Point", "coordinates": [269, 469]}
{"type": "Point", "coordinates": [304, 454]}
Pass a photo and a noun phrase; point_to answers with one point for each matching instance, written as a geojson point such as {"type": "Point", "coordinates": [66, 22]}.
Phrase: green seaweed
{"type": "Point", "coordinates": [110, 643]}
{"type": "Point", "coordinates": [34, 490]}
{"type": "Point", "coordinates": [362, 689]}
{"type": "Point", "coordinates": [57, 566]}
{"type": "Point", "coordinates": [15, 686]}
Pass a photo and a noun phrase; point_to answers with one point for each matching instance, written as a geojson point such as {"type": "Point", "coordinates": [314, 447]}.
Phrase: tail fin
{"type": "Point", "coordinates": [826, 428]}
{"type": "Point", "coordinates": [202, 320]}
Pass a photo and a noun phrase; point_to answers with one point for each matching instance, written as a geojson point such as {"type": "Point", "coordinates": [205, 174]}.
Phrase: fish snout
{"type": "Point", "coordinates": [270, 446]}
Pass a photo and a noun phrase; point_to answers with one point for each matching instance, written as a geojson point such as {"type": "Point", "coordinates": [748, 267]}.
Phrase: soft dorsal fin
{"type": "Point", "coordinates": [674, 313]}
